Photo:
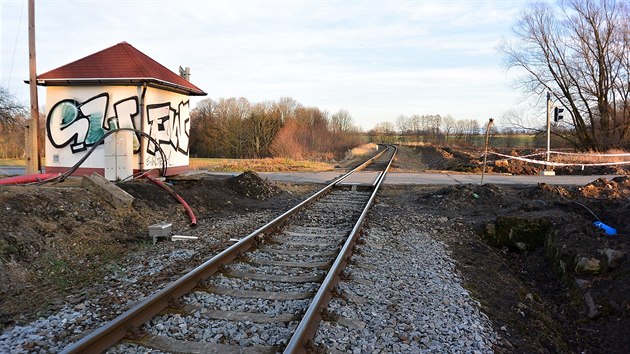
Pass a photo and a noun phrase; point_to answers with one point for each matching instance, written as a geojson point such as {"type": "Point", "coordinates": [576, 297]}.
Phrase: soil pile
{"type": "Point", "coordinates": [539, 264]}
{"type": "Point", "coordinates": [250, 185]}
{"type": "Point", "coordinates": [470, 160]}
{"type": "Point", "coordinates": [62, 238]}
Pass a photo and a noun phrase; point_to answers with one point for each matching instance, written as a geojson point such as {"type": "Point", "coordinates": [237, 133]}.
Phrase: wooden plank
{"type": "Point", "coordinates": [320, 265]}
{"type": "Point", "coordinates": [255, 294]}
{"type": "Point", "coordinates": [276, 278]}
{"type": "Point", "coordinates": [239, 316]}
{"type": "Point", "coordinates": [299, 253]}
{"type": "Point", "coordinates": [172, 345]}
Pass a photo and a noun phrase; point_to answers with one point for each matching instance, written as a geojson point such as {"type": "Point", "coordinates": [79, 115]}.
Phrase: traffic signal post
{"type": "Point", "coordinates": [548, 171]}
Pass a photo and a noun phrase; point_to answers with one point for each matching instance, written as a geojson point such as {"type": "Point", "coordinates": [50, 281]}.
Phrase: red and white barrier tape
{"type": "Point", "coordinates": [560, 164]}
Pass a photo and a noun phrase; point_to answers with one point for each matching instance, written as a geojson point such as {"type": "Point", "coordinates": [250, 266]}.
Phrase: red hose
{"type": "Point", "coordinates": [193, 219]}
{"type": "Point", "coordinates": [37, 177]}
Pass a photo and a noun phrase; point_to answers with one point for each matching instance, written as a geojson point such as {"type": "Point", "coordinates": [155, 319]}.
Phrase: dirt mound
{"type": "Point", "coordinates": [250, 185]}
{"type": "Point", "coordinates": [590, 170]}
{"type": "Point", "coordinates": [464, 196]}
{"type": "Point", "coordinates": [573, 277]}
{"type": "Point", "coordinates": [62, 237]}
{"type": "Point", "coordinates": [438, 158]}
{"type": "Point", "coordinates": [618, 187]}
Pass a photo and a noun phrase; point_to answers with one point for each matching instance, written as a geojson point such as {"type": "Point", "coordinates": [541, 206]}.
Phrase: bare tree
{"type": "Point", "coordinates": [10, 109]}
{"type": "Point", "coordinates": [580, 52]}
{"type": "Point", "coordinates": [448, 124]}
{"type": "Point", "coordinates": [341, 122]}
{"type": "Point", "coordinates": [12, 120]}
{"type": "Point", "coordinates": [403, 123]}
{"type": "Point", "coordinates": [415, 122]}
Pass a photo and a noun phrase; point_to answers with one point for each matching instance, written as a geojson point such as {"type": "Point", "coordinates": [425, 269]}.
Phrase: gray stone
{"type": "Point", "coordinates": [613, 257]}
{"type": "Point", "coordinates": [586, 265]}
{"type": "Point", "coordinates": [593, 312]}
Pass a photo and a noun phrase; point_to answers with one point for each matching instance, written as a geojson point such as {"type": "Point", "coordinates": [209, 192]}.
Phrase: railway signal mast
{"type": "Point", "coordinates": [548, 171]}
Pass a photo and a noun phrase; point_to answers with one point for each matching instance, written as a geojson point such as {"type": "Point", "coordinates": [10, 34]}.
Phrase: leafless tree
{"type": "Point", "coordinates": [448, 124]}
{"type": "Point", "coordinates": [415, 121]}
{"type": "Point", "coordinates": [341, 122]}
{"type": "Point", "coordinates": [234, 127]}
{"type": "Point", "coordinates": [403, 123]}
{"type": "Point", "coordinates": [579, 51]}
{"type": "Point", "coordinates": [12, 120]}
{"type": "Point", "coordinates": [10, 109]}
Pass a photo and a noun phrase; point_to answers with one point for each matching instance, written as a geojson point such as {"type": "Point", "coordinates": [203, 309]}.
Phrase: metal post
{"type": "Point", "coordinates": [547, 171]}
{"type": "Point", "coordinates": [548, 127]}
{"type": "Point", "coordinates": [32, 125]}
{"type": "Point", "coordinates": [485, 155]}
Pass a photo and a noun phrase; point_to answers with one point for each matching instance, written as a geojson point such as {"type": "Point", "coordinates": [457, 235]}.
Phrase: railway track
{"type": "Point", "coordinates": [266, 293]}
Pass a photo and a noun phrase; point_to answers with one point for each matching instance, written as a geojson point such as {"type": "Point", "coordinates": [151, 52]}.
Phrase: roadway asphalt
{"type": "Point", "coordinates": [399, 178]}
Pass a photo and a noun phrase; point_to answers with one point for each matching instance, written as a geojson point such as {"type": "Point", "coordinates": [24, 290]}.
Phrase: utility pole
{"type": "Point", "coordinates": [485, 155]}
{"type": "Point", "coordinates": [548, 171]}
{"type": "Point", "coordinates": [32, 125]}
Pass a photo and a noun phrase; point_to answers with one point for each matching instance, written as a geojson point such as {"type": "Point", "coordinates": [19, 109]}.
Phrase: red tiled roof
{"type": "Point", "coordinates": [119, 64]}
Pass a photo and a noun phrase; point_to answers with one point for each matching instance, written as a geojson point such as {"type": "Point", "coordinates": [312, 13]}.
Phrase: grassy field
{"type": "Point", "coordinates": [258, 165]}
{"type": "Point", "coordinates": [12, 162]}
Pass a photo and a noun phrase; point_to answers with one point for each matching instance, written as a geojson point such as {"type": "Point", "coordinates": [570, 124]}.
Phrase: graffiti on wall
{"type": "Point", "coordinates": [80, 125]}
{"type": "Point", "coordinates": [169, 126]}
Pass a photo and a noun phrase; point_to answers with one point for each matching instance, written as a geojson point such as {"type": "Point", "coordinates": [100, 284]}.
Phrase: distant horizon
{"type": "Point", "coordinates": [377, 60]}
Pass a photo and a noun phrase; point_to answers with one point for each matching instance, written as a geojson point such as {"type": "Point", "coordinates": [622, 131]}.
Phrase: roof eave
{"type": "Point", "coordinates": [169, 86]}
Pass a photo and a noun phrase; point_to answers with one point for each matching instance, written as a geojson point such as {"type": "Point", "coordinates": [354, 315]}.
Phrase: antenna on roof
{"type": "Point", "coordinates": [185, 73]}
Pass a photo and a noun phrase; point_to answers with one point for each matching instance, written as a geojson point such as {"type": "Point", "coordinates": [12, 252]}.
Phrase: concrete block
{"type": "Point", "coordinates": [113, 194]}
{"type": "Point", "coordinates": [160, 231]}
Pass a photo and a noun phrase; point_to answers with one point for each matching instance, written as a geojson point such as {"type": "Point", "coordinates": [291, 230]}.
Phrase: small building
{"type": "Point", "coordinates": [118, 87]}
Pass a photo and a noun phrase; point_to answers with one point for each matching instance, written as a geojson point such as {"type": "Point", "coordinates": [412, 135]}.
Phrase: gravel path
{"type": "Point", "coordinates": [402, 295]}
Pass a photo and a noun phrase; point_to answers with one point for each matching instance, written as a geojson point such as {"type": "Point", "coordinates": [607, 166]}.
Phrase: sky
{"type": "Point", "coordinates": [375, 59]}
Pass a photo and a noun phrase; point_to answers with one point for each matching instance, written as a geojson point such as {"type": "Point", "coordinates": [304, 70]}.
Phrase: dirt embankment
{"type": "Point", "coordinates": [549, 279]}
{"type": "Point", "coordinates": [57, 239]}
{"type": "Point", "coordinates": [470, 160]}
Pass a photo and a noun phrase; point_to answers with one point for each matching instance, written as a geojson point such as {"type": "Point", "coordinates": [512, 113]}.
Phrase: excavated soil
{"type": "Point", "coordinates": [470, 160]}
{"type": "Point", "coordinates": [58, 239]}
{"type": "Point", "coordinates": [546, 276]}
{"type": "Point", "coordinates": [523, 252]}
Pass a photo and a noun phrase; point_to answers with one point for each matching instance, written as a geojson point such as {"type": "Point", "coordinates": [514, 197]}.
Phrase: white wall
{"type": "Point", "coordinates": [77, 116]}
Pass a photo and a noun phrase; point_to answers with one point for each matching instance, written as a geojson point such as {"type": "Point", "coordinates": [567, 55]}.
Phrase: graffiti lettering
{"type": "Point", "coordinates": [126, 115]}
{"type": "Point", "coordinates": [167, 126]}
{"type": "Point", "coordinates": [81, 125]}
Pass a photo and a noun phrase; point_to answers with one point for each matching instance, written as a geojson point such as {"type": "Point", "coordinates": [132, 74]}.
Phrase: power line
{"type": "Point", "coordinates": [17, 36]}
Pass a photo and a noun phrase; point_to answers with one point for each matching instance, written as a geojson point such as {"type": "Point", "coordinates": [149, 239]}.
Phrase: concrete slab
{"type": "Point", "coordinates": [113, 194]}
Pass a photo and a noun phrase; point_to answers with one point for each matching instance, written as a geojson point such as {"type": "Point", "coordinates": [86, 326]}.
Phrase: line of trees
{"type": "Point", "coordinates": [13, 116]}
{"type": "Point", "coordinates": [426, 128]}
{"type": "Point", "coordinates": [237, 128]}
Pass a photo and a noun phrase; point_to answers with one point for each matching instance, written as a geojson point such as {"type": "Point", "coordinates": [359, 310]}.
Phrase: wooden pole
{"type": "Point", "coordinates": [485, 155]}
{"type": "Point", "coordinates": [32, 125]}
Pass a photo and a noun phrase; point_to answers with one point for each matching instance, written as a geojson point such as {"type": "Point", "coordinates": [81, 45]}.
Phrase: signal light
{"type": "Point", "coordinates": [558, 114]}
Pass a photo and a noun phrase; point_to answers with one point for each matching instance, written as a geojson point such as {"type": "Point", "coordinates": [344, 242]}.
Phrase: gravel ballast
{"type": "Point", "coordinates": [402, 295]}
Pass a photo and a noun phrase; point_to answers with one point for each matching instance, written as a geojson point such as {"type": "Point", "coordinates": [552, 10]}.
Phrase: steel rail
{"type": "Point", "coordinates": [115, 330]}
{"type": "Point", "coordinates": [307, 328]}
